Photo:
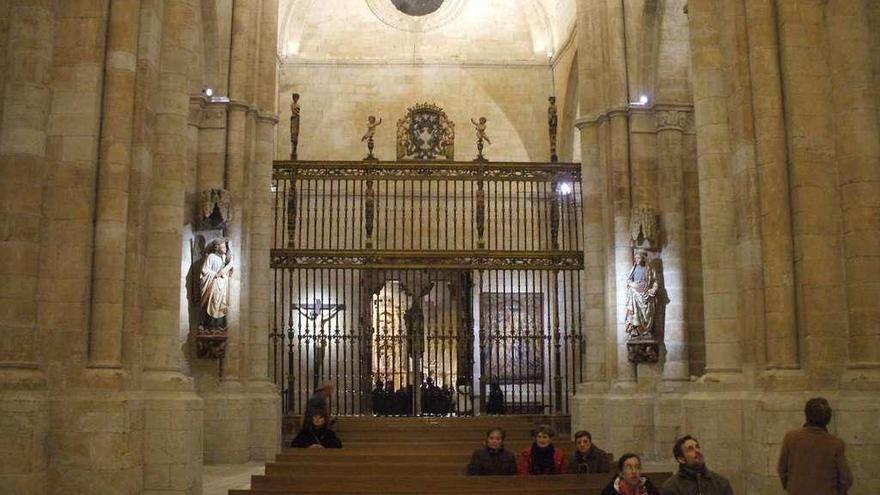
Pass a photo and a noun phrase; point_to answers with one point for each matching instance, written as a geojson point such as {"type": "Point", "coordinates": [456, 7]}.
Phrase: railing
{"type": "Point", "coordinates": [438, 280]}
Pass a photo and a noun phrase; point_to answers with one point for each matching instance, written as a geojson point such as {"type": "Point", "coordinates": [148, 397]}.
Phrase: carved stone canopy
{"type": "Point", "coordinates": [643, 226]}
{"type": "Point", "coordinates": [215, 208]}
{"type": "Point", "coordinates": [425, 133]}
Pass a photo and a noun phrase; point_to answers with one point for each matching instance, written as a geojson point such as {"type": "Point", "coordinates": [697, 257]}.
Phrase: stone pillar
{"type": "Point", "coordinates": [815, 196]}
{"type": "Point", "coordinates": [781, 341]}
{"type": "Point", "coordinates": [616, 132]}
{"type": "Point", "coordinates": [717, 205]}
{"type": "Point", "coordinates": [263, 397]}
{"type": "Point", "coordinates": [596, 231]}
{"type": "Point", "coordinates": [670, 171]}
{"type": "Point", "coordinates": [595, 254]}
{"type": "Point", "coordinates": [173, 414]}
{"type": "Point", "coordinates": [114, 161]}
{"type": "Point", "coordinates": [24, 109]}
{"type": "Point", "coordinates": [26, 98]}
{"type": "Point", "coordinates": [854, 99]}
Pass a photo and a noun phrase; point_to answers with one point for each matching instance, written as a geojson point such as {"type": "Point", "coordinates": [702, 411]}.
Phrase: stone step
{"type": "Point", "coordinates": [411, 445]}
{"type": "Point", "coordinates": [410, 483]}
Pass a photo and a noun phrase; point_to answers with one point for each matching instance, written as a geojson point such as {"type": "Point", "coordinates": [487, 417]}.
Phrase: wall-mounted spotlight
{"type": "Point", "coordinates": [643, 100]}
{"type": "Point", "coordinates": [208, 92]}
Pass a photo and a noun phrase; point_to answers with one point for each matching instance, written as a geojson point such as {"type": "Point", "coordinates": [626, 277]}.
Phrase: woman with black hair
{"type": "Point", "coordinates": [315, 434]}
{"type": "Point", "coordinates": [629, 479]}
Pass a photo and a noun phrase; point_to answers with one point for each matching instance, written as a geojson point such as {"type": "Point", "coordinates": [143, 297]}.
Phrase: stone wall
{"type": "Point", "coordinates": [336, 99]}
{"type": "Point", "coordinates": [103, 154]}
{"type": "Point", "coordinates": [772, 152]}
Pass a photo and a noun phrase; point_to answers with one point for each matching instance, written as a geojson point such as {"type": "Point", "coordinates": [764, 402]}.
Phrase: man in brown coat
{"type": "Point", "coordinates": [812, 461]}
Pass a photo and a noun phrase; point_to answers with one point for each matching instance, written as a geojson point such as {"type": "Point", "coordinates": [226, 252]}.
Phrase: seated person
{"type": "Point", "coordinates": [316, 435]}
{"type": "Point", "coordinates": [588, 458]}
{"type": "Point", "coordinates": [492, 459]}
{"type": "Point", "coordinates": [542, 457]}
{"type": "Point", "coordinates": [629, 480]}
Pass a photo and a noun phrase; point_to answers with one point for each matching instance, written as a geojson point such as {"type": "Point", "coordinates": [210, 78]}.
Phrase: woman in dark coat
{"type": "Point", "coordinates": [492, 459]}
{"type": "Point", "coordinates": [629, 479]}
{"type": "Point", "coordinates": [316, 435]}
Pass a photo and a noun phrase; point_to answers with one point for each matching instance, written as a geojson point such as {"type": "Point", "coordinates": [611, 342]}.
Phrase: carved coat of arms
{"type": "Point", "coordinates": [425, 133]}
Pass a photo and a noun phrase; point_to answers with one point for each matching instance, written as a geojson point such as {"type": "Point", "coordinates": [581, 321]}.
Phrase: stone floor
{"type": "Point", "coordinates": [220, 478]}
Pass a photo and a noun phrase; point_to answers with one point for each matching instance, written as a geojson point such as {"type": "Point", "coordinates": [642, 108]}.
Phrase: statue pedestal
{"type": "Point", "coordinates": [643, 350]}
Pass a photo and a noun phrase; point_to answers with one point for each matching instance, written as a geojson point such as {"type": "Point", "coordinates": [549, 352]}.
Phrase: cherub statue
{"type": "Point", "coordinates": [480, 127]}
{"type": "Point", "coordinates": [371, 128]}
{"type": "Point", "coordinates": [372, 124]}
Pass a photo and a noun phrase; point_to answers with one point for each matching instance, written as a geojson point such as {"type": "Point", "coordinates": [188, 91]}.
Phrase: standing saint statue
{"type": "Point", "coordinates": [552, 122]}
{"type": "Point", "coordinates": [214, 285]}
{"type": "Point", "coordinates": [294, 125]}
{"type": "Point", "coordinates": [641, 298]}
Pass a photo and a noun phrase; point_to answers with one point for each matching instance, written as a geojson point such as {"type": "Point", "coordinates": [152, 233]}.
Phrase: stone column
{"type": "Point", "coordinates": [26, 98]}
{"type": "Point", "coordinates": [263, 396]}
{"type": "Point", "coordinates": [596, 231]}
{"type": "Point", "coordinates": [815, 196]}
{"type": "Point", "coordinates": [24, 109]}
{"type": "Point", "coordinates": [717, 205]}
{"type": "Point", "coordinates": [854, 99]}
{"type": "Point", "coordinates": [670, 171]}
{"type": "Point", "coordinates": [616, 132]}
{"type": "Point", "coordinates": [781, 341]}
{"type": "Point", "coordinates": [114, 161]}
{"type": "Point", "coordinates": [595, 254]}
{"type": "Point", "coordinates": [173, 414]}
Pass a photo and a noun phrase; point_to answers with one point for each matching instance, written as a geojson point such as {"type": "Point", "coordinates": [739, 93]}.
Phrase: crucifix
{"type": "Point", "coordinates": [313, 312]}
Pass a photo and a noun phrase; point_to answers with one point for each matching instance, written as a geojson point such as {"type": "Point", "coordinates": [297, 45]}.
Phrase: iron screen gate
{"type": "Point", "coordinates": [441, 288]}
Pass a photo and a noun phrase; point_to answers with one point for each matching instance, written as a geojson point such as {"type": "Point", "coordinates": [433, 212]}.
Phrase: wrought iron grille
{"type": "Point", "coordinates": [427, 288]}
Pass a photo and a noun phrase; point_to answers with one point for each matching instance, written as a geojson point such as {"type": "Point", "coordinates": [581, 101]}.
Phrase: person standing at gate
{"type": "Point", "coordinates": [542, 457]}
{"type": "Point", "coordinates": [812, 461]}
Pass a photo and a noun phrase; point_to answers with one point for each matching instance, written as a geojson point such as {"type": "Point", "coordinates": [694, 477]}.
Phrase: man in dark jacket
{"type": "Point", "coordinates": [693, 477]}
{"type": "Point", "coordinates": [492, 459]}
{"type": "Point", "coordinates": [588, 458]}
{"type": "Point", "coordinates": [812, 461]}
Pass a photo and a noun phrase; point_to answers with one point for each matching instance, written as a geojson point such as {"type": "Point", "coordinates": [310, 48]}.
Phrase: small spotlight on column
{"type": "Point", "coordinates": [643, 99]}
{"type": "Point", "coordinates": [209, 92]}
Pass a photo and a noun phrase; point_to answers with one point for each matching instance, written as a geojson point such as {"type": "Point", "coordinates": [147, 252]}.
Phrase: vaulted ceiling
{"type": "Point", "coordinates": [466, 31]}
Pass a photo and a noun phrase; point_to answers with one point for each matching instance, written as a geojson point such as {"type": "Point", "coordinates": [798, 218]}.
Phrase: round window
{"type": "Point", "coordinates": [417, 8]}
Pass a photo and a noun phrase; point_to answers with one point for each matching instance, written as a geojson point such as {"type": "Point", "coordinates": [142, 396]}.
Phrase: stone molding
{"type": "Point", "coordinates": [650, 119]}
{"type": "Point", "coordinates": [676, 120]}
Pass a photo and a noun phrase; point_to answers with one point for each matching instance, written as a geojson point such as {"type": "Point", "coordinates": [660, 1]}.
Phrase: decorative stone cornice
{"type": "Point", "coordinates": [591, 120]}
{"type": "Point", "coordinates": [267, 118]}
{"type": "Point", "coordinates": [671, 120]}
